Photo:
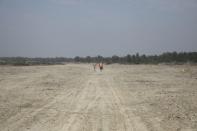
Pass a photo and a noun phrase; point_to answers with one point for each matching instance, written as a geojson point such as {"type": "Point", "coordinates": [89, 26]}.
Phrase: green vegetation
{"type": "Point", "coordinates": [168, 58]}
{"type": "Point", "coordinates": [23, 61]}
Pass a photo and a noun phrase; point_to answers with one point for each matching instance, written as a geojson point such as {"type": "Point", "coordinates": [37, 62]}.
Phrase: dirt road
{"type": "Point", "coordinates": [121, 98]}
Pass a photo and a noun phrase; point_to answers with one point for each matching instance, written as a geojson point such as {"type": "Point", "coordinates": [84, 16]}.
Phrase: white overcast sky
{"type": "Point", "coordinates": [50, 28]}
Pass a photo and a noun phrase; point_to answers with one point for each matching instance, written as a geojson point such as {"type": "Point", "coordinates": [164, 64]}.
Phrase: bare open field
{"type": "Point", "coordinates": [75, 98]}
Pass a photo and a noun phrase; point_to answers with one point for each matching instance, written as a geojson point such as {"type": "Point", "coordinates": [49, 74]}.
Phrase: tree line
{"type": "Point", "coordinates": [168, 58]}
{"type": "Point", "coordinates": [25, 61]}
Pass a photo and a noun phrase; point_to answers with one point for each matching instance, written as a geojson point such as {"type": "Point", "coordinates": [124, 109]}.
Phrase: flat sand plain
{"type": "Point", "coordinates": [73, 97]}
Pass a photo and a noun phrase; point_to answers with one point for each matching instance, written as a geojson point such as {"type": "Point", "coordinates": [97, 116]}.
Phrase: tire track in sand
{"type": "Point", "coordinates": [95, 105]}
{"type": "Point", "coordinates": [99, 108]}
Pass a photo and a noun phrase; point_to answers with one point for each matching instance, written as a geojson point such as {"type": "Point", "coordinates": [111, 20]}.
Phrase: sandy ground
{"type": "Point", "coordinates": [73, 97]}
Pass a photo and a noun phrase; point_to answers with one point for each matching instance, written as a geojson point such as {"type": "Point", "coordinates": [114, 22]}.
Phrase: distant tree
{"type": "Point", "coordinates": [115, 59]}
{"type": "Point", "coordinates": [128, 58]}
{"type": "Point", "coordinates": [137, 58]}
{"type": "Point", "coordinates": [143, 59]}
{"type": "Point", "coordinates": [77, 59]}
{"type": "Point", "coordinates": [88, 59]}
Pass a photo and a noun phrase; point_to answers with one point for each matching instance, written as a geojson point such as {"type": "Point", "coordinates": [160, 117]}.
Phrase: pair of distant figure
{"type": "Point", "coordinates": [100, 65]}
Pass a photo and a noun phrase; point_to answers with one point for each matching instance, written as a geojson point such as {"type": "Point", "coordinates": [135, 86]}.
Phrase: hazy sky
{"type": "Point", "coordinates": [50, 28]}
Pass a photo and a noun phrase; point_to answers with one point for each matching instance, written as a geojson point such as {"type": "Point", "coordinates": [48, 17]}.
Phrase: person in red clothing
{"type": "Point", "coordinates": [101, 66]}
